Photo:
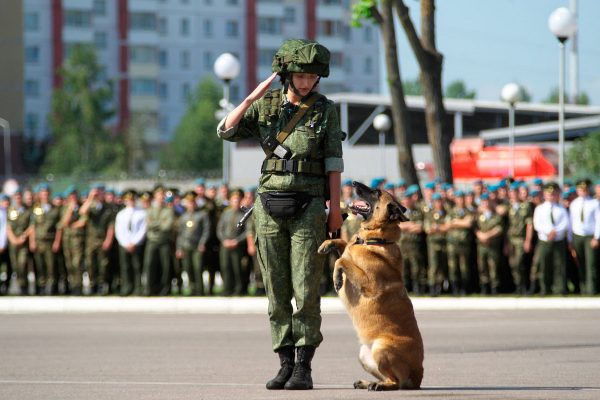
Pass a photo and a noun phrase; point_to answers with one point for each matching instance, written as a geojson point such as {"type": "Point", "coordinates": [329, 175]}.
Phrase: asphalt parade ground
{"type": "Point", "coordinates": [549, 349]}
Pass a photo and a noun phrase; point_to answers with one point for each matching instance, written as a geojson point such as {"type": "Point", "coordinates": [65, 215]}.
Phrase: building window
{"type": "Point", "coordinates": [32, 54]}
{"type": "Point", "coordinates": [163, 58]}
{"type": "Point", "coordinates": [207, 58]}
{"type": "Point", "coordinates": [289, 14]}
{"type": "Point", "coordinates": [231, 28]}
{"type": "Point", "coordinates": [269, 25]}
{"type": "Point", "coordinates": [143, 87]}
{"type": "Point", "coordinates": [332, 28]}
{"type": "Point", "coordinates": [142, 55]}
{"type": "Point", "coordinates": [368, 65]}
{"type": "Point", "coordinates": [265, 57]}
{"type": "Point", "coordinates": [207, 28]}
{"type": "Point", "coordinates": [143, 21]}
{"type": "Point", "coordinates": [163, 90]}
{"type": "Point", "coordinates": [185, 92]}
{"type": "Point", "coordinates": [32, 88]}
{"type": "Point", "coordinates": [100, 40]}
{"type": "Point", "coordinates": [32, 124]}
{"type": "Point", "coordinates": [185, 27]}
{"type": "Point", "coordinates": [100, 7]}
{"type": "Point", "coordinates": [162, 26]}
{"type": "Point", "coordinates": [32, 21]}
{"type": "Point", "coordinates": [78, 18]}
{"type": "Point", "coordinates": [185, 59]}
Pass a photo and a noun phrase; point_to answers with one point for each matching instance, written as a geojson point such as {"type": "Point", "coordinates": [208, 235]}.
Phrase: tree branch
{"type": "Point", "coordinates": [376, 15]}
{"type": "Point", "coordinates": [411, 34]}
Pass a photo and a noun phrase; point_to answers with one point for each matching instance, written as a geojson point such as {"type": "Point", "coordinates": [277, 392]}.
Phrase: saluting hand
{"type": "Point", "coordinates": [261, 88]}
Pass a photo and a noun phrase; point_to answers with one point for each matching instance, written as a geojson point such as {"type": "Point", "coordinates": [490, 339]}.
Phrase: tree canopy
{"type": "Point", "coordinates": [458, 90]}
{"type": "Point", "coordinates": [583, 158]}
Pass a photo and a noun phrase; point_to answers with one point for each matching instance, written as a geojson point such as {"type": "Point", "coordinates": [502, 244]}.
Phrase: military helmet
{"type": "Point", "coordinates": [300, 55]}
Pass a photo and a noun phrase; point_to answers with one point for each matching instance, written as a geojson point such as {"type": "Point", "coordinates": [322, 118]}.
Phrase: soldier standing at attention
{"type": "Point", "coordinates": [44, 242]}
{"type": "Point", "coordinates": [459, 236]}
{"type": "Point", "coordinates": [194, 228]}
{"type": "Point", "coordinates": [302, 168]}
{"type": "Point", "coordinates": [520, 236]}
{"type": "Point", "coordinates": [233, 244]}
{"type": "Point", "coordinates": [73, 241]}
{"type": "Point", "coordinates": [130, 232]}
{"type": "Point", "coordinates": [157, 254]}
{"type": "Point", "coordinates": [436, 228]}
{"type": "Point", "coordinates": [489, 245]}
{"type": "Point", "coordinates": [412, 242]}
{"type": "Point", "coordinates": [585, 224]}
{"type": "Point", "coordinates": [19, 217]}
{"type": "Point", "coordinates": [551, 222]}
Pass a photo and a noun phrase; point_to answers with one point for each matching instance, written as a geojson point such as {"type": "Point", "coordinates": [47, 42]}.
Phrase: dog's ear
{"type": "Point", "coordinates": [396, 212]}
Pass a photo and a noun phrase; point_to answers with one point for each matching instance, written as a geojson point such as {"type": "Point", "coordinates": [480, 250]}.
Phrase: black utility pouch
{"type": "Point", "coordinates": [285, 204]}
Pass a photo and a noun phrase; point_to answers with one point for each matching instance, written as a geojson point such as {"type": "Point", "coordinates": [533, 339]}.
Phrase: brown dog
{"type": "Point", "coordinates": [368, 279]}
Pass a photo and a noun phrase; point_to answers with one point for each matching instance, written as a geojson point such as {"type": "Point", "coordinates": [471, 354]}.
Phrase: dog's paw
{"type": "Point", "coordinates": [338, 279]}
{"type": "Point", "coordinates": [375, 387]}
{"type": "Point", "coordinates": [361, 384]}
{"type": "Point", "coordinates": [326, 247]}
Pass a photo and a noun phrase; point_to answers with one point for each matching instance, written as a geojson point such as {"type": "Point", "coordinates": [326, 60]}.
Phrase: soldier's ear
{"type": "Point", "coordinates": [396, 212]}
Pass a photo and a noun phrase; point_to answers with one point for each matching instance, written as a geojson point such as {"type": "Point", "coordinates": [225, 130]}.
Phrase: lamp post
{"type": "Point", "coordinates": [562, 24]}
{"type": "Point", "coordinates": [226, 67]}
{"type": "Point", "coordinates": [7, 150]}
{"type": "Point", "coordinates": [382, 124]}
{"type": "Point", "coordinates": [511, 93]}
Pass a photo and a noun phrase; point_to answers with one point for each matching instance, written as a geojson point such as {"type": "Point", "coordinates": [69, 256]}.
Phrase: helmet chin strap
{"type": "Point", "coordinates": [289, 82]}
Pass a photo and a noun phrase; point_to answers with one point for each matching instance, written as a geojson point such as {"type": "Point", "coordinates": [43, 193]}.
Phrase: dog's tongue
{"type": "Point", "coordinates": [358, 204]}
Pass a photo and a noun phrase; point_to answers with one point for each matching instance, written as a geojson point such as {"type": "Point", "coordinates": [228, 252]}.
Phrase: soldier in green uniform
{"type": "Point", "coordinates": [489, 245]}
{"type": "Point", "coordinates": [73, 241]}
{"type": "Point", "coordinates": [19, 217]}
{"type": "Point", "coordinates": [44, 242]}
{"type": "Point", "coordinates": [435, 228]}
{"type": "Point", "coordinates": [157, 254]}
{"type": "Point", "coordinates": [233, 245]}
{"type": "Point", "coordinates": [301, 169]}
{"type": "Point", "coordinates": [520, 235]}
{"type": "Point", "coordinates": [194, 228]}
{"type": "Point", "coordinates": [412, 243]}
{"type": "Point", "coordinates": [459, 222]}
{"type": "Point", "coordinates": [98, 220]}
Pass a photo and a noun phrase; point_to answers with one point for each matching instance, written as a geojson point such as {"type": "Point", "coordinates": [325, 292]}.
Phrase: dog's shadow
{"type": "Point", "coordinates": [477, 388]}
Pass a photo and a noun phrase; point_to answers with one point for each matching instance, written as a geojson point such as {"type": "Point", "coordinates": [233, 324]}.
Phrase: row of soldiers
{"type": "Point", "coordinates": [510, 237]}
{"type": "Point", "coordinates": [131, 243]}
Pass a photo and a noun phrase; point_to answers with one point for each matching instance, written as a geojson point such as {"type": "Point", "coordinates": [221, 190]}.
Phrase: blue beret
{"type": "Point", "coordinates": [537, 181]}
{"type": "Point", "coordinates": [598, 182]}
{"type": "Point", "coordinates": [459, 193]}
{"type": "Point", "coordinates": [389, 186]}
{"type": "Point", "coordinates": [514, 186]}
{"type": "Point", "coordinates": [430, 185]}
{"type": "Point", "coordinates": [446, 186]}
{"type": "Point", "coordinates": [535, 192]}
{"type": "Point", "coordinates": [70, 189]}
{"type": "Point", "coordinates": [58, 195]}
{"type": "Point", "coordinates": [566, 195]}
{"type": "Point", "coordinates": [492, 188]}
{"type": "Point", "coordinates": [347, 182]}
{"type": "Point", "coordinates": [42, 186]}
{"type": "Point", "coordinates": [4, 197]}
{"type": "Point", "coordinates": [169, 199]}
{"type": "Point", "coordinates": [375, 182]}
{"type": "Point", "coordinates": [111, 191]}
{"type": "Point", "coordinates": [402, 182]}
{"type": "Point", "coordinates": [200, 182]}
{"type": "Point", "coordinates": [501, 184]}
{"type": "Point", "coordinates": [436, 196]}
{"type": "Point", "coordinates": [484, 196]}
{"type": "Point", "coordinates": [412, 189]}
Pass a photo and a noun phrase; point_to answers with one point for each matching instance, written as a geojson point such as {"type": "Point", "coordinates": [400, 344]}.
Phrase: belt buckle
{"type": "Point", "coordinates": [289, 166]}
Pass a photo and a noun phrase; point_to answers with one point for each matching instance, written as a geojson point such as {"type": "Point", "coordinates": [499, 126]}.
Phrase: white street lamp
{"type": "Point", "coordinates": [382, 124]}
{"type": "Point", "coordinates": [511, 93]}
{"type": "Point", "coordinates": [227, 67]}
{"type": "Point", "coordinates": [562, 24]}
{"type": "Point", "coordinates": [7, 149]}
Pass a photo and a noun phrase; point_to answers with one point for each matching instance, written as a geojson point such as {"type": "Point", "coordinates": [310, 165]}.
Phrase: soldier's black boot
{"type": "Point", "coordinates": [286, 360]}
{"type": "Point", "coordinates": [301, 379]}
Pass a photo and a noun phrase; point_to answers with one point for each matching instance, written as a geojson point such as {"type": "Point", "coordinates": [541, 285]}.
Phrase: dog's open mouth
{"type": "Point", "coordinates": [361, 207]}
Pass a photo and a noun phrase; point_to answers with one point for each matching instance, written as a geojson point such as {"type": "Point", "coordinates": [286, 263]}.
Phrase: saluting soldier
{"type": "Point", "coordinates": [489, 245]}
{"type": "Point", "coordinates": [157, 255]}
{"type": "Point", "coordinates": [585, 224]}
{"type": "Point", "coordinates": [19, 218]}
{"type": "Point", "coordinates": [194, 228]}
{"type": "Point", "coordinates": [130, 232]}
{"type": "Point", "coordinates": [73, 241]}
{"type": "Point", "coordinates": [412, 243]}
{"type": "Point", "coordinates": [232, 245]}
{"type": "Point", "coordinates": [436, 228]}
{"type": "Point", "coordinates": [551, 222]}
{"type": "Point", "coordinates": [44, 242]}
{"type": "Point", "coordinates": [520, 236]}
{"type": "Point", "coordinates": [459, 236]}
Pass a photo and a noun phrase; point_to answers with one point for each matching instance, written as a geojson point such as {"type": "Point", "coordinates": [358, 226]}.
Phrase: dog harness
{"type": "Point", "coordinates": [372, 241]}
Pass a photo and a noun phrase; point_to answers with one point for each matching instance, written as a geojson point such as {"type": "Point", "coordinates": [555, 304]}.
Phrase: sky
{"type": "Point", "coordinates": [489, 43]}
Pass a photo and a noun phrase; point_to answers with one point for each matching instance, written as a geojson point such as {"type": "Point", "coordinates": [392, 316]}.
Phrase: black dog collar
{"type": "Point", "coordinates": [371, 241]}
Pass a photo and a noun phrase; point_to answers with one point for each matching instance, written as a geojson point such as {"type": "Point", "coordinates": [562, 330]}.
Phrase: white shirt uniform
{"type": "Point", "coordinates": [551, 216]}
{"type": "Point", "coordinates": [3, 234]}
{"type": "Point", "coordinates": [130, 226]}
{"type": "Point", "coordinates": [585, 217]}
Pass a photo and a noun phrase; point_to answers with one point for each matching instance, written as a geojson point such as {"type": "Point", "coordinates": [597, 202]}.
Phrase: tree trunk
{"type": "Point", "coordinates": [400, 114]}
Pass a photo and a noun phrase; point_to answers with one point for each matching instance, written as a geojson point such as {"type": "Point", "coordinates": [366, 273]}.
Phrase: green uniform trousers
{"type": "Point", "coordinates": [438, 261]}
{"type": "Point", "coordinates": [130, 264]}
{"type": "Point", "coordinates": [459, 263]}
{"type": "Point", "coordinates": [231, 270]}
{"type": "Point", "coordinates": [18, 258]}
{"type": "Point", "coordinates": [192, 265]}
{"type": "Point", "coordinates": [589, 263]}
{"type": "Point", "coordinates": [517, 262]}
{"type": "Point", "coordinates": [45, 266]}
{"type": "Point", "coordinates": [415, 265]}
{"type": "Point", "coordinates": [553, 272]}
{"type": "Point", "coordinates": [96, 261]}
{"type": "Point", "coordinates": [73, 247]}
{"type": "Point", "coordinates": [292, 268]}
{"type": "Point", "coordinates": [157, 268]}
{"type": "Point", "coordinates": [488, 261]}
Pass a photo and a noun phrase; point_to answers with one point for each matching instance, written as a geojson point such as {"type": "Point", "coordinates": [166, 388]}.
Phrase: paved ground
{"type": "Point", "coordinates": [536, 354]}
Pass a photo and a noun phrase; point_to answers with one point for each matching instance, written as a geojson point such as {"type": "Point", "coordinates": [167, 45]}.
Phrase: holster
{"type": "Point", "coordinates": [285, 204]}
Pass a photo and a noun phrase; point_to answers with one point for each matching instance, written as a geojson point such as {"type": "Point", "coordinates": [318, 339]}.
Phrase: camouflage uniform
{"type": "Point", "coordinates": [231, 258]}
{"type": "Point", "coordinates": [157, 254]}
{"type": "Point", "coordinates": [45, 222]}
{"type": "Point", "coordinates": [287, 247]}
{"type": "Point", "coordinates": [488, 254]}
{"type": "Point", "coordinates": [413, 257]}
{"type": "Point", "coordinates": [459, 251]}
{"type": "Point", "coordinates": [519, 216]}
{"type": "Point", "coordinates": [18, 222]}
{"type": "Point", "coordinates": [436, 251]}
{"type": "Point", "coordinates": [258, 279]}
{"type": "Point", "coordinates": [99, 218]}
{"type": "Point", "coordinates": [73, 247]}
{"type": "Point", "coordinates": [194, 228]}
